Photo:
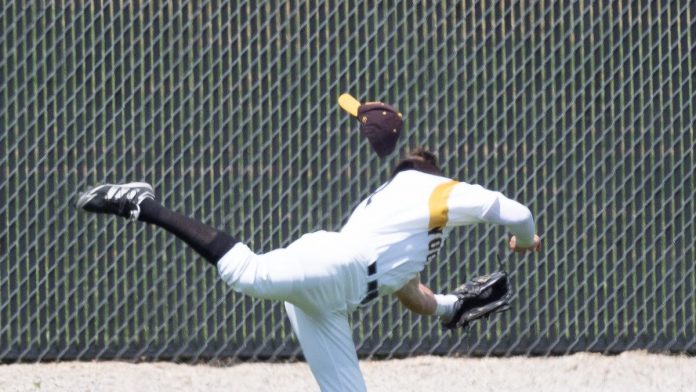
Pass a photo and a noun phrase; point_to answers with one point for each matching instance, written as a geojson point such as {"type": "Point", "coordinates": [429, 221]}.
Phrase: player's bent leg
{"type": "Point", "coordinates": [136, 201]}
{"type": "Point", "coordinates": [327, 344]}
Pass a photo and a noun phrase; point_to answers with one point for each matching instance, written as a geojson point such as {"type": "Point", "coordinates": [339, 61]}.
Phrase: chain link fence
{"type": "Point", "coordinates": [585, 111]}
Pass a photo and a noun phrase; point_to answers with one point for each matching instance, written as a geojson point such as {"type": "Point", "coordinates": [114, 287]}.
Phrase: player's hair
{"type": "Point", "coordinates": [418, 159]}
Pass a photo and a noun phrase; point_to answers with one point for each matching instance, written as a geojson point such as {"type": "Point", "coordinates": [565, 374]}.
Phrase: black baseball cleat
{"type": "Point", "coordinates": [120, 199]}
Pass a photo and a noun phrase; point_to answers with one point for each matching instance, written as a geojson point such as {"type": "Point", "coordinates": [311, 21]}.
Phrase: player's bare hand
{"type": "Point", "coordinates": [521, 249]}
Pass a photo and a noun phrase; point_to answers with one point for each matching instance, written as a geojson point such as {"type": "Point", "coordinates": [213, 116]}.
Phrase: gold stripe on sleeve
{"type": "Point", "coordinates": [438, 204]}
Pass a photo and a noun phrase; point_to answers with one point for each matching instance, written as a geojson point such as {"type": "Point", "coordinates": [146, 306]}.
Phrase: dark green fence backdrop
{"type": "Point", "coordinates": [584, 110]}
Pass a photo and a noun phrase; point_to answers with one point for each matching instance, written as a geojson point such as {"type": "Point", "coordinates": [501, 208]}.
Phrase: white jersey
{"type": "Point", "coordinates": [406, 219]}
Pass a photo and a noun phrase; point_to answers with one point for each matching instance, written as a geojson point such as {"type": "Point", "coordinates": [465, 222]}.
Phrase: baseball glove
{"type": "Point", "coordinates": [479, 298]}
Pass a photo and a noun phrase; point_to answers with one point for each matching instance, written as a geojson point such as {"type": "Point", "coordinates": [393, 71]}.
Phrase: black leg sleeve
{"type": "Point", "coordinates": [209, 242]}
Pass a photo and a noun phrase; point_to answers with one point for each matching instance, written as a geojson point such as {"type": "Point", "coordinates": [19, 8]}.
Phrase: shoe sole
{"type": "Point", "coordinates": [84, 197]}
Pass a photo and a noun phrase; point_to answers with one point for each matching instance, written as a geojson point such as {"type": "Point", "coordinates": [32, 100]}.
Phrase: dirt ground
{"type": "Point", "coordinates": [632, 371]}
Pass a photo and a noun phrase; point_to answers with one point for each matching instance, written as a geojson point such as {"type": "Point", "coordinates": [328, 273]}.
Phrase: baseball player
{"type": "Point", "coordinates": [323, 276]}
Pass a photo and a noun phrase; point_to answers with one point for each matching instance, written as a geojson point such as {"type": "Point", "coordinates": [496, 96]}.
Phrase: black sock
{"type": "Point", "coordinates": [209, 242]}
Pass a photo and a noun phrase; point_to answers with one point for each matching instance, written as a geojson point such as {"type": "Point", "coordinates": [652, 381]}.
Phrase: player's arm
{"type": "Point", "coordinates": [517, 219]}
{"type": "Point", "coordinates": [419, 299]}
{"type": "Point", "coordinates": [473, 204]}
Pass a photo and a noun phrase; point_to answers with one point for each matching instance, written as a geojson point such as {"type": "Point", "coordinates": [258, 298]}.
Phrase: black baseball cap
{"type": "Point", "coordinates": [380, 122]}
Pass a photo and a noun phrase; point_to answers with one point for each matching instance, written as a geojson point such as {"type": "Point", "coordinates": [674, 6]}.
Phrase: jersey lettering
{"type": "Point", "coordinates": [434, 243]}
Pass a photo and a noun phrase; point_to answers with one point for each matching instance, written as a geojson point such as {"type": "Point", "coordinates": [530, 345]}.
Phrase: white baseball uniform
{"type": "Point", "coordinates": [323, 276]}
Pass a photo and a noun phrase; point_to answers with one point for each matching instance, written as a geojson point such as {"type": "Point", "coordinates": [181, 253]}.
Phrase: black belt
{"type": "Point", "coordinates": [372, 291]}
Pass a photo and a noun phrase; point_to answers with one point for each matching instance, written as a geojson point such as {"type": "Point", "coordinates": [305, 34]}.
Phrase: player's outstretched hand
{"type": "Point", "coordinates": [521, 249]}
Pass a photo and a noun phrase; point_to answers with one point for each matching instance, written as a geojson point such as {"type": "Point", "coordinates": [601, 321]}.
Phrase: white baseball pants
{"type": "Point", "coordinates": [322, 277]}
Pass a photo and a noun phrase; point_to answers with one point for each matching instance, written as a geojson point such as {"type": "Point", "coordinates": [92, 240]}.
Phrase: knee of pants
{"type": "Point", "coordinates": [262, 286]}
{"type": "Point", "coordinates": [256, 275]}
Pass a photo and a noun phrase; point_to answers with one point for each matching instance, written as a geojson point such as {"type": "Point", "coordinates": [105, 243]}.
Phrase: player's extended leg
{"type": "Point", "coordinates": [136, 201]}
{"type": "Point", "coordinates": [327, 344]}
{"type": "Point", "coordinates": [320, 270]}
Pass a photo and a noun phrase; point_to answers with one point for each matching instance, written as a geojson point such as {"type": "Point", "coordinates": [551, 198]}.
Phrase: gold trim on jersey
{"type": "Point", "coordinates": [438, 204]}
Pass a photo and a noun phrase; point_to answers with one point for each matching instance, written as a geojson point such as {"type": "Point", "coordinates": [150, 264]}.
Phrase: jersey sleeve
{"type": "Point", "coordinates": [471, 204]}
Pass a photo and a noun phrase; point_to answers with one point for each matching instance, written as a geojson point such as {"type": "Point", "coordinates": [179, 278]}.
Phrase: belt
{"type": "Point", "coordinates": [372, 290]}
